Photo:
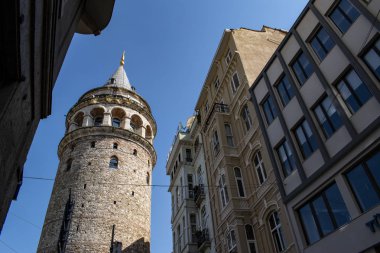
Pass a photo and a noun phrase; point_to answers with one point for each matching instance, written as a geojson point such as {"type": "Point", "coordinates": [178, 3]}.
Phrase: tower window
{"type": "Point", "coordinates": [115, 145]}
{"type": "Point", "coordinates": [116, 122]}
{"type": "Point", "coordinates": [114, 162]}
{"type": "Point", "coordinates": [93, 144]}
{"type": "Point", "coordinates": [98, 121]}
{"type": "Point", "coordinates": [134, 152]}
{"type": "Point", "coordinates": [112, 80]}
{"type": "Point", "coordinates": [133, 193]}
{"type": "Point", "coordinates": [68, 165]}
{"type": "Point", "coordinates": [147, 178]}
{"type": "Point", "coordinates": [84, 186]}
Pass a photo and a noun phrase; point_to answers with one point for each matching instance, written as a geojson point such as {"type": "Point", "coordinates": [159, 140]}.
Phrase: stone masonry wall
{"type": "Point", "coordinates": [103, 197]}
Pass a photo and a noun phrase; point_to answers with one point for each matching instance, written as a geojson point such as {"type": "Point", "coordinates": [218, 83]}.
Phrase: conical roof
{"type": "Point", "coordinates": [119, 78]}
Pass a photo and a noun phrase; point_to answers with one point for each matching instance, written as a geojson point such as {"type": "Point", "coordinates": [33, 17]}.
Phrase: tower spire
{"type": "Point", "coordinates": [122, 59]}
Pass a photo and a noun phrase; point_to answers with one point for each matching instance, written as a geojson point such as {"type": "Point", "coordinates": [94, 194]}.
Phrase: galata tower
{"type": "Point", "coordinates": [101, 199]}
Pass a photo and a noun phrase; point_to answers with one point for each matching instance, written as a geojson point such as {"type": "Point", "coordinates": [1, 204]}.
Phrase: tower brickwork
{"type": "Point", "coordinates": [101, 200]}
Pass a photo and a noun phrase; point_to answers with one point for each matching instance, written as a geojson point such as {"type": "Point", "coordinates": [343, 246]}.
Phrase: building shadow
{"type": "Point", "coordinates": [139, 246]}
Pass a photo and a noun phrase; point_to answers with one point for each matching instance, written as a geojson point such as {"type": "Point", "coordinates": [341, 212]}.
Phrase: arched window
{"type": "Point", "coordinates": [136, 122]}
{"type": "Point", "coordinates": [117, 115]}
{"type": "Point", "coordinates": [239, 182]}
{"type": "Point", "coordinates": [116, 122]}
{"type": "Point", "coordinates": [98, 121]}
{"type": "Point", "coordinates": [251, 240]}
{"type": "Point", "coordinates": [114, 162]}
{"type": "Point", "coordinates": [97, 115]}
{"type": "Point", "coordinates": [79, 119]}
{"type": "Point", "coordinates": [115, 146]}
{"type": "Point", "coordinates": [246, 118]}
{"type": "Point", "coordinates": [135, 152]}
{"type": "Point", "coordinates": [276, 231]}
{"type": "Point", "coordinates": [259, 167]}
{"type": "Point", "coordinates": [148, 132]}
{"type": "Point", "coordinates": [231, 241]}
{"type": "Point", "coordinates": [147, 178]}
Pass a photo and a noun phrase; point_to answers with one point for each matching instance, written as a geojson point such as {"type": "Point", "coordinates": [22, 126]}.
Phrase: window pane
{"type": "Point", "coordinates": [285, 90]}
{"type": "Point", "coordinates": [358, 87]}
{"type": "Point", "coordinates": [308, 69]}
{"type": "Point", "coordinates": [349, 10]}
{"type": "Point", "coordinates": [362, 187]}
{"type": "Point", "coordinates": [299, 73]}
{"type": "Point", "coordinates": [337, 205]}
{"type": "Point", "coordinates": [374, 166]}
{"type": "Point", "coordinates": [326, 40]}
{"type": "Point", "coordinates": [309, 224]}
{"type": "Point", "coordinates": [249, 232]}
{"type": "Point", "coordinates": [323, 216]}
{"type": "Point", "coordinates": [332, 113]}
{"type": "Point", "coordinates": [350, 100]}
{"type": "Point", "coordinates": [344, 15]}
{"type": "Point", "coordinates": [372, 58]}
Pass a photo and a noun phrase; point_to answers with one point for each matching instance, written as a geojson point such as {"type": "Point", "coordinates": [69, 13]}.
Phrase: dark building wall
{"type": "Point", "coordinates": [35, 39]}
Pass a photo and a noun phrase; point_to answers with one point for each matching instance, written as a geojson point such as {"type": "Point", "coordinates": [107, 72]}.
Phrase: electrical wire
{"type": "Point", "coordinates": [25, 220]}
{"type": "Point", "coordinates": [9, 247]}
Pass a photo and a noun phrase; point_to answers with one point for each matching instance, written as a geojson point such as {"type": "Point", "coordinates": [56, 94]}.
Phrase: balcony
{"type": "Point", "coordinates": [203, 239]}
{"type": "Point", "coordinates": [199, 194]}
{"type": "Point", "coordinates": [220, 108]}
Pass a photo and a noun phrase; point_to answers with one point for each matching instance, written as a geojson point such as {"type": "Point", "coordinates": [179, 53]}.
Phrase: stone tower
{"type": "Point", "coordinates": [101, 200]}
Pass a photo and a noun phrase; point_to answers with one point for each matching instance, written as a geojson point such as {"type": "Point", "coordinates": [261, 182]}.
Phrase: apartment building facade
{"type": "Point", "coordinates": [317, 102]}
{"type": "Point", "coordinates": [191, 215]}
{"type": "Point", "coordinates": [246, 205]}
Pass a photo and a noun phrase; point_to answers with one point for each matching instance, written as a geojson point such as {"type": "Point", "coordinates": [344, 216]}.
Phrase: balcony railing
{"type": "Point", "coordinates": [199, 194]}
{"type": "Point", "coordinates": [203, 238]}
{"type": "Point", "coordinates": [222, 108]}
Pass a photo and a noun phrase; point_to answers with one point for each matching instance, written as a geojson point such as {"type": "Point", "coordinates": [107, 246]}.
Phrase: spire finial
{"type": "Point", "coordinates": [122, 59]}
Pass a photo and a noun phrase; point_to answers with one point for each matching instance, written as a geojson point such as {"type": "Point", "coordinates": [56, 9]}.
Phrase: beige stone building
{"type": "Point", "coordinates": [35, 36]}
{"type": "Point", "coordinates": [318, 103]}
{"type": "Point", "coordinates": [246, 206]}
{"type": "Point", "coordinates": [101, 200]}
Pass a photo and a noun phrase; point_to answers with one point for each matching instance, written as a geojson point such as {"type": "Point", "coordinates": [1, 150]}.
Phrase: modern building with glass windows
{"type": "Point", "coordinates": [246, 206]}
{"type": "Point", "coordinates": [317, 102]}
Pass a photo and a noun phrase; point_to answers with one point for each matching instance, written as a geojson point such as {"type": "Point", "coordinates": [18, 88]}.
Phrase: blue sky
{"type": "Point", "coordinates": [169, 46]}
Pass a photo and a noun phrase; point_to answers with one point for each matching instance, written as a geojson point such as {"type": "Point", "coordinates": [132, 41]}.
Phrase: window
{"type": "Point", "coordinates": [135, 152]}
{"type": "Point", "coordinates": [193, 227]}
{"type": "Point", "coordinates": [115, 145]}
{"type": "Point", "coordinates": [322, 43]}
{"type": "Point", "coordinates": [203, 217]}
{"type": "Point", "coordinates": [246, 118]}
{"type": "Point", "coordinates": [183, 232]}
{"type": "Point", "coordinates": [235, 83]}
{"type": "Point", "coordinates": [328, 118]}
{"type": "Point", "coordinates": [190, 185]}
{"type": "Point", "coordinates": [216, 83]}
{"type": "Point", "coordinates": [116, 122]}
{"type": "Point", "coordinates": [215, 143]}
{"type": "Point", "coordinates": [68, 164]}
{"type": "Point", "coordinates": [98, 121]}
{"type": "Point", "coordinates": [231, 241]}
{"type": "Point", "coordinates": [178, 196]}
{"type": "Point", "coordinates": [286, 158]}
{"type": "Point", "coordinates": [306, 140]}
{"type": "Point", "coordinates": [285, 90]}
{"type": "Point", "coordinates": [344, 15]}
{"type": "Point", "coordinates": [251, 240]}
{"type": "Point", "coordinates": [223, 190]}
{"type": "Point", "coordinates": [354, 92]}
{"type": "Point", "coordinates": [259, 166]}
{"type": "Point", "coordinates": [302, 68]}
{"type": "Point", "coordinates": [269, 109]}
{"type": "Point", "coordinates": [188, 155]}
{"type": "Point", "coordinates": [179, 233]}
{"type": "Point", "coordinates": [92, 144]}
{"type": "Point", "coordinates": [372, 58]}
{"type": "Point", "coordinates": [228, 57]}
{"type": "Point", "coordinates": [364, 180]}
{"type": "Point", "coordinates": [147, 178]}
{"type": "Point", "coordinates": [206, 107]}
{"type": "Point", "coordinates": [114, 162]}
{"type": "Point", "coordinates": [229, 136]}
{"type": "Point", "coordinates": [239, 182]}
{"type": "Point", "coordinates": [276, 231]}
{"type": "Point", "coordinates": [323, 214]}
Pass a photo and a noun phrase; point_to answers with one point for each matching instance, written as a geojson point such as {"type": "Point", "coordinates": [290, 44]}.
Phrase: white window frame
{"type": "Point", "coordinates": [233, 83]}
{"type": "Point", "coordinates": [229, 134]}
{"type": "Point", "coordinates": [259, 167]}
{"type": "Point", "coordinates": [215, 142]}
{"type": "Point", "coordinates": [247, 120]}
{"type": "Point", "coordinates": [231, 241]}
{"type": "Point", "coordinates": [250, 241]}
{"type": "Point", "coordinates": [277, 229]}
{"type": "Point", "coordinates": [223, 190]}
{"type": "Point", "coordinates": [239, 179]}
